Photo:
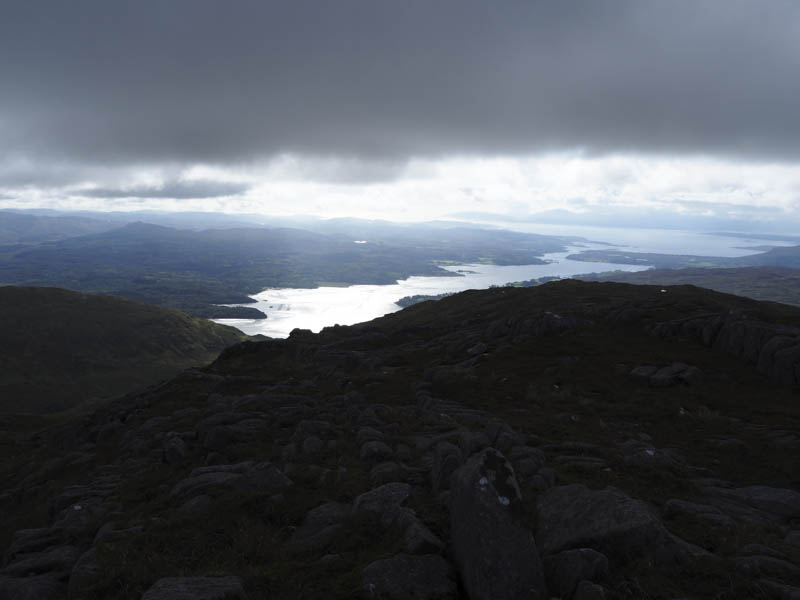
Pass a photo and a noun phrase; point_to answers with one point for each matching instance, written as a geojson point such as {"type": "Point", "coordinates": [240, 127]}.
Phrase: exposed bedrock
{"type": "Point", "coordinates": [495, 552]}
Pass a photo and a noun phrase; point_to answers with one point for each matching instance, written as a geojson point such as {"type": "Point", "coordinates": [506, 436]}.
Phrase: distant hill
{"type": "Point", "coordinates": [778, 284]}
{"type": "Point", "coordinates": [180, 220]}
{"type": "Point", "coordinates": [19, 228]}
{"type": "Point", "coordinates": [785, 256]}
{"type": "Point", "coordinates": [59, 348]}
{"type": "Point", "coordinates": [192, 270]}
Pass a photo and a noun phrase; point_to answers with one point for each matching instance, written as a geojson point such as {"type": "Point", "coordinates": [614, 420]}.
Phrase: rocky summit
{"type": "Point", "coordinates": [574, 440]}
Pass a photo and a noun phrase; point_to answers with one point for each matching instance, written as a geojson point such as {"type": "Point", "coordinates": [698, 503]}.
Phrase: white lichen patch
{"type": "Point", "coordinates": [503, 500]}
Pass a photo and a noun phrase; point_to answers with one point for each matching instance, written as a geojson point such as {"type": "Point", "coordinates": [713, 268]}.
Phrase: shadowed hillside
{"type": "Point", "coordinates": [572, 440]}
{"type": "Point", "coordinates": [60, 348]}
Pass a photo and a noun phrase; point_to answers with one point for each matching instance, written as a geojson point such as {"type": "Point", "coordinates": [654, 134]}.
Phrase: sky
{"type": "Point", "coordinates": [405, 109]}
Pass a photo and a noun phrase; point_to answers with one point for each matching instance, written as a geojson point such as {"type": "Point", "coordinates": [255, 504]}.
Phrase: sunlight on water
{"type": "Point", "coordinates": [290, 308]}
{"type": "Point", "coordinates": [659, 241]}
{"type": "Point", "coordinates": [313, 309]}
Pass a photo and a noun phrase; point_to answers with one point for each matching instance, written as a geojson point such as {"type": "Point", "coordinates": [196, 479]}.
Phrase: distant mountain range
{"type": "Point", "coordinates": [24, 228]}
{"type": "Point", "coordinates": [195, 270]}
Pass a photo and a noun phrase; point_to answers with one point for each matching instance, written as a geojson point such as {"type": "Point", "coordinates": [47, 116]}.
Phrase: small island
{"type": "Point", "coordinates": [406, 301]}
{"type": "Point", "coordinates": [232, 312]}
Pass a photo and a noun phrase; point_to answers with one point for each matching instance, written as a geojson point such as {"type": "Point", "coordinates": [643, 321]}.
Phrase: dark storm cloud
{"type": "Point", "coordinates": [203, 80]}
{"type": "Point", "coordinates": [32, 175]}
{"type": "Point", "coordinates": [178, 190]}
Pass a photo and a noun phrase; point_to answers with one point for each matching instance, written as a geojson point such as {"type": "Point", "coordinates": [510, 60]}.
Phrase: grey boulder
{"type": "Point", "coordinates": [495, 552]}
{"type": "Point", "coordinates": [609, 521]}
{"type": "Point", "coordinates": [408, 577]}
{"type": "Point", "coordinates": [383, 503]}
{"type": "Point", "coordinates": [215, 587]}
{"type": "Point", "coordinates": [375, 451]}
{"type": "Point", "coordinates": [589, 591]}
{"type": "Point", "coordinates": [446, 459]}
{"type": "Point", "coordinates": [567, 569]}
{"type": "Point", "coordinates": [48, 561]}
{"type": "Point", "coordinates": [40, 587]}
{"type": "Point", "coordinates": [243, 477]}
{"type": "Point", "coordinates": [85, 573]}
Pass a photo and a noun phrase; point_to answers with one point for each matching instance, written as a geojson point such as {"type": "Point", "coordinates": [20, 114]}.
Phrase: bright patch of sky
{"type": "Point", "coordinates": [421, 189]}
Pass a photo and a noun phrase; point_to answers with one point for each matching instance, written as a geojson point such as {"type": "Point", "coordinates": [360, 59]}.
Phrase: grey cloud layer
{"type": "Point", "coordinates": [179, 190]}
{"type": "Point", "coordinates": [202, 80]}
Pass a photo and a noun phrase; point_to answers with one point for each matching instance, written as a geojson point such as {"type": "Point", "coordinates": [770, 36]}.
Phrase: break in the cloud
{"type": "Point", "coordinates": [556, 188]}
{"type": "Point", "coordinates": [324, 98]}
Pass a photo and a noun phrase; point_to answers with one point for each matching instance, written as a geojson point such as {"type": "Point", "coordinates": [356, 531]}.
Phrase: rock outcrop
{"type": "Point", "coordinates": [774, 349]}
{"type": "Point", "coordinates": [608, 521]}
{"type": "Point", "coordinates": [512, 443]}
{"type": "Point", "coordinates": [224, 587]}
{"type": "Point", "coordinates": [494, 550]}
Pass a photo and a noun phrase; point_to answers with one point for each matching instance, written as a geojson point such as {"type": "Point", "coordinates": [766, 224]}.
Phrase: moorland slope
{"type": "Point", "coordinates": [571, 440]}
{"type": "Point", "coordinates": [59, 349]}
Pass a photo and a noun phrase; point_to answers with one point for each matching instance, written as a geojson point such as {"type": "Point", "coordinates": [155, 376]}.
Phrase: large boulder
{"type": "Point", "coordinates": [388, 472]}
{"type": "Point", "coordinates": [446, 459]}
{"type": "Point", "coordinates": [418, 538]}
{"type": "Point", "coordinates": [495, 552]}
{"type": "Point", "coordinates": [243, 477]}
{"type": "Point", "coordinates": [174, 449]}
{"type": "Point", "coordinates": [409, 577]}
{"type": "Point", "coordinates": [774, 349]}
{"type": "Point", "coordinates": [501, 436]}
{"type": "Point", "coordinates": [40, 587]}
{"type": "Point", "coordinates": [321, 525]}
{"type": "Point", "coordinates": [26, 541]}
{"type": "Point", "coordinates": [781, 502]}
{"type": "Point", "coordinates": [52, 560]}
{"type": "Point", "coordinates": [197, 484]}
{"type": "Point", "coordinates": [85, 573]}
{"type": "Point", "coordinates": [383, 503]}
{"type": "Point", "coordinates": [263, 477]}
{"type": "Point", "coordinates": [609, 521]}
{"type": "Point", "coordinates": [757, 503]}
{"type": "Point", "coordinates": [376, 451]}
{"type": "Point", "coordinates": [214, 587]}
{"type": "Point", "coordinates": [567, 569]}
{"type": "Point", "coordinates": [369, 434]}
{"type": "Point", "coordinates": [703, 513]}
{"type": "Point", "coordinates": [218, 438]}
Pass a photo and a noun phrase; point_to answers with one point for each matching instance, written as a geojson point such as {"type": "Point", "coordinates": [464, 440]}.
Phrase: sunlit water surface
{"type": "Point", "coordinates": [290, 308]}
{"type": "Point", "coordinates": [659, 241]}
